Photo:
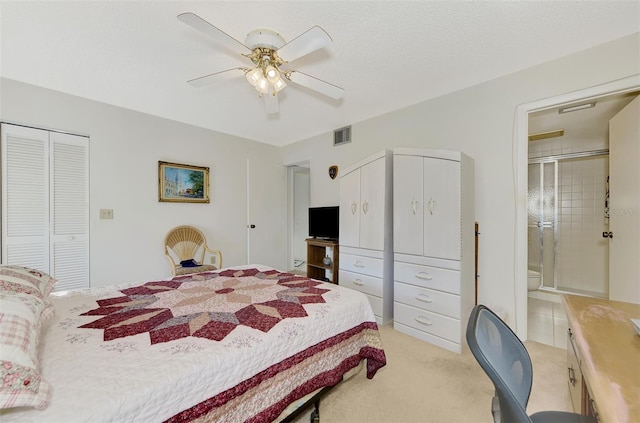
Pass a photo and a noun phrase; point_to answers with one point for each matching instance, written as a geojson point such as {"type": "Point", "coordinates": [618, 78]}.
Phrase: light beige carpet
{"type": "Point", "coordinates": [422, 383]}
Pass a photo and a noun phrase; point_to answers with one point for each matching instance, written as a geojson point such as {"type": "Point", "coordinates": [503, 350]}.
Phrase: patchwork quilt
{"type": "Point", "coordinates": [233, 345]}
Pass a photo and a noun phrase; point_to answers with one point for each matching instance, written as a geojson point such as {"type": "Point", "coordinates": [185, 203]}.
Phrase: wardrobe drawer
{"type": "Point", "coordinates": [427, 299]}
{"type": "Point", "coordinates": [426, 321]}
{"type": "Point", "coordinates": [363, 283]}
{"type": "Point", "coordinates": [427, 277]}
{"type": "Point", "coordinates": [360, 264]}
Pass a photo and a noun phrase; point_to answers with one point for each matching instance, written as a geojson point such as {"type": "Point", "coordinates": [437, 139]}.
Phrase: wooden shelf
{"type": "Point", "coordinates": [317, 250]}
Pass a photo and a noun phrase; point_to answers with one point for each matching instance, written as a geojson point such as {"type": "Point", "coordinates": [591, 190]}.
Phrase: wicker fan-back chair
{"type": "Point", "coordinates": [185, 247]}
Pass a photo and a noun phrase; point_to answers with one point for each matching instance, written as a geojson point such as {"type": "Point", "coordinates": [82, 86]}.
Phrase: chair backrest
{"type": "Point", "coordinates": [505, 360]}
{"type": "Point", "coordinates": [185, 241]}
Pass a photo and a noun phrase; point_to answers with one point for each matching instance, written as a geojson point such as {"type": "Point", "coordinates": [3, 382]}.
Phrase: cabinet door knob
{"type": "Point", "coordinates": [424, 275]}
{"type": "Point", "coordinates": [414, 206]}
{"type": "Point", "coordinates": [432, 205]}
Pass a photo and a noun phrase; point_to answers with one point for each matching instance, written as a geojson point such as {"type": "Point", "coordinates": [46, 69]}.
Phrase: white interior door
{"type": "Point", "coordinates": [45, 203]}
{"type": "Point", "coordinates": [624, 204]}
{"type": "Point", "coordinates": [266, 214]}
{"type": "Point", "coordinates": [69, 205]}
{"type": "Point", "coordinates": [25, 197]}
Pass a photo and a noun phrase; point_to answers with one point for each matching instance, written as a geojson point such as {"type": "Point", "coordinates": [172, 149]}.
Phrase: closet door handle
{"type": "Point", "coordinates": [424, 275]}
{"type": "Point", "coordinates": [424, 298]}
{"type": "Point", "coordinates": [423, 320]}
{"type": "Point", "coordinates": [358, 282]}
{"type": "Point", "coordinates": [354, 208]}
{"type": "Point", "coordinates": [365, 207]}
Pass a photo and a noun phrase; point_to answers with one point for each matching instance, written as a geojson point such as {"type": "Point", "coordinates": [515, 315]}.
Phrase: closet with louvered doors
{"type": "Point", "coordinates": [45, 203]}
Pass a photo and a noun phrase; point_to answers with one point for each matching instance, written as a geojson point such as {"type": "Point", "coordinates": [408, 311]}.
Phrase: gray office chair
{"type": "Point", "coordinates": [507, 363]}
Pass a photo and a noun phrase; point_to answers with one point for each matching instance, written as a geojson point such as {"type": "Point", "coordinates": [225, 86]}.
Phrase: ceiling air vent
{"type": "Point", "coordinates": [342, 136]}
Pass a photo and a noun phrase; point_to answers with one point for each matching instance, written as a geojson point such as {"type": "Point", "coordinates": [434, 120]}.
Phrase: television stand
{"type": "Point", "coordinates": [317, 250]}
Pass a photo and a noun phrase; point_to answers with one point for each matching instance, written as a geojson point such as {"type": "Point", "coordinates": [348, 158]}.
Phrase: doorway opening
{"type": "Point", "coordinates": [521, 158]}
{"type": "Point", "coordinates": [298, 182]}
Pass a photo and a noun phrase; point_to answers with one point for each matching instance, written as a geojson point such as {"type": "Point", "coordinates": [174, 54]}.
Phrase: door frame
{"type": "Point", "coordinates": [292, 168]}
{"type": "Point", "coordinates": [520, 158]}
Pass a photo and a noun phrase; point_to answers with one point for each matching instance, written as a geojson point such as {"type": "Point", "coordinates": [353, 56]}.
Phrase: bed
{"type": "Point", "coordinates": [234, 345]}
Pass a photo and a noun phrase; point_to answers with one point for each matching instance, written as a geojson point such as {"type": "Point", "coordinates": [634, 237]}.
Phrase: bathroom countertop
{"type": "Point", "coordinates": [609, 354]}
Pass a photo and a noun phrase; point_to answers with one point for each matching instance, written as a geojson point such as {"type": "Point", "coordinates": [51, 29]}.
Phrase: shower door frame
{"type": "Point", "coordinates": [541, 223]}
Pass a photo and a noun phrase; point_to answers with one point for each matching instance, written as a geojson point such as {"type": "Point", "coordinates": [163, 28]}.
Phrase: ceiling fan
{"type": "Point", "coordinates": [267, 50]}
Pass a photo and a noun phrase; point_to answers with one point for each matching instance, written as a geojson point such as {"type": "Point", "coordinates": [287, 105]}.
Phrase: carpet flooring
{"type": "Point", "coordinates": [422, 383]}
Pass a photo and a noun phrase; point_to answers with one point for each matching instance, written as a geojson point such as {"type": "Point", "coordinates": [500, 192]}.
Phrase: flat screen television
{"type": "Point", "coordinates": [324, 222]}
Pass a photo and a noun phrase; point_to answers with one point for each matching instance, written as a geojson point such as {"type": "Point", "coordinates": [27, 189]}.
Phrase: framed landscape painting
{"type": "Point", "coordinates": [181, 183]}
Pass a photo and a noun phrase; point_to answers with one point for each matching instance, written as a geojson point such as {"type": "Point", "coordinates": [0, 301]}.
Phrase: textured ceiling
{"type": "Point", "coordinates": [385, 54]}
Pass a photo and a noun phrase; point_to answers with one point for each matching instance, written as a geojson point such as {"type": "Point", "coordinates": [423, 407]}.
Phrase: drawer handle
{"type": "Point", "coordinates": [358, 264]}
{"type": "Point", "coordinates": [358, 282]}
{"type": "Point", "coordinates": [424, 298]}
{"type": "Point", "coordinates": [572, 376]}
{"type": "Point", "coordinates": [423, 275]}
{"type": "Point", "coordinates": [423, 320]}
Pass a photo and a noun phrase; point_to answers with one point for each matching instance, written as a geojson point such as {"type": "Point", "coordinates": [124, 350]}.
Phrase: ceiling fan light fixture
{"type": "Point", "coordinates": [272, 74]}
{"type": "Point", "coordinates": [279, 85]}
{"type": "Point", "coordinates": [254, 75]}
{"type": "Point", "coordinates": [263, 85]}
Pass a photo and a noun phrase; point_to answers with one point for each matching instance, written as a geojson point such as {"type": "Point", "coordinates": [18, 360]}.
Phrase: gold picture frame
{"type": "Point", "coordinates": [181, 183]}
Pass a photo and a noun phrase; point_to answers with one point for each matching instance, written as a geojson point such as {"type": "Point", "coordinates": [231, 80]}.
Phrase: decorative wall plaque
{"type": "Point", "coordinates": [333, 172]}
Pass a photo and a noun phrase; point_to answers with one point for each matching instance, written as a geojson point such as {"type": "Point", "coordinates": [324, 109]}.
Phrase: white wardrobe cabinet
{"type": "Point", "coordinates": [434, 256]}
{"type": "Point", "coordinates": [366, 237]}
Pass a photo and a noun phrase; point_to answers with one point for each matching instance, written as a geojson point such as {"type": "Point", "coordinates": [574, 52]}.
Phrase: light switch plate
{"type": "Point", "coordinates": [106, 213]}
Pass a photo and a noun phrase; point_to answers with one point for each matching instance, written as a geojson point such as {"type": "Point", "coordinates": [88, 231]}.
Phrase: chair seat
{"type": "Point", "coordinates": [197, 269]}
{"type": "Point", "coordinates": [560, 417]}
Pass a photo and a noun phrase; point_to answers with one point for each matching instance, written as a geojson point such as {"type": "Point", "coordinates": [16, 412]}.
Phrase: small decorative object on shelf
{"type": "Point", "coordinates": [327, 260]}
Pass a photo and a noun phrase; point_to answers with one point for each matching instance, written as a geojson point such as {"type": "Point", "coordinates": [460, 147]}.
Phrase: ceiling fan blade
{"type": "Point", "coordinates": [197, 23]}
{"type": "Point", "coordinates": [270, 103]}
{"type": "Point", "coordinates": [305, 43]}
{"type": "Point", "coordinates": [209, 79]}
{"type": "Point", "coordinates": [315, 84]}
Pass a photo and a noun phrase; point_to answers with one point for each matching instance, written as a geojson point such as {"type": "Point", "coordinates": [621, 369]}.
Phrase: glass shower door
{"type": "Point", "coordinates": [542, 217]}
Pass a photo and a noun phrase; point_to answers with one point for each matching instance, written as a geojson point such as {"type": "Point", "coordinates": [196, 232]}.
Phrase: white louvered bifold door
{"type": "Point", "coordinates": [70, 210]}
{"type": "Point", "coordinates": [45, 203]}
{"type": "Point", "coordinates": [25, 197]}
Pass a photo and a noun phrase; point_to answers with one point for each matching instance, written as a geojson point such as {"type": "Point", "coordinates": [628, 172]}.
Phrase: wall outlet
{"type": "Point", "coordinates": [106, 213]}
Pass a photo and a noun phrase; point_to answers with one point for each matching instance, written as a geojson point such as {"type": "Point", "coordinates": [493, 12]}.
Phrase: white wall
{"type": "Point", "coordinates": [480, 122]}
{"type": "Point", "coordinates": [125, 148]}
